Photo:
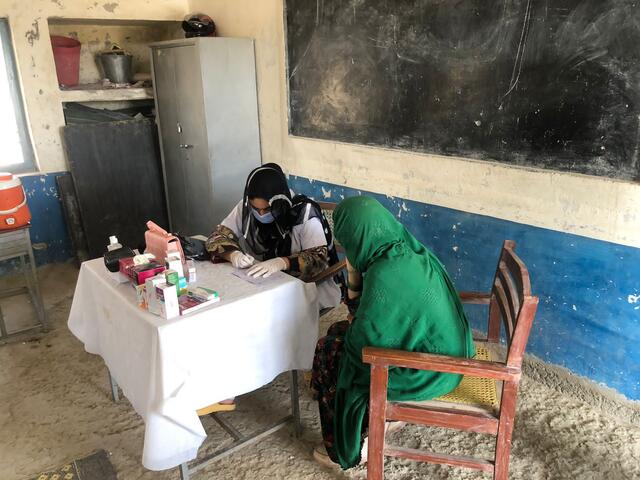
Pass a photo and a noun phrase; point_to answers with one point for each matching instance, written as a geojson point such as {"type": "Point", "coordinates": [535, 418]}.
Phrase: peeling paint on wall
{"type": "Point", "coordinates": [34, 33]}
{"type": "Point", "coordinates": [110, 7]}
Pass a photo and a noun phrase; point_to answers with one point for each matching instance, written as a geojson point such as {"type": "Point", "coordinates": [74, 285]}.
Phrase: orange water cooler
{"type": "Point", "coordinates": [14, 211]}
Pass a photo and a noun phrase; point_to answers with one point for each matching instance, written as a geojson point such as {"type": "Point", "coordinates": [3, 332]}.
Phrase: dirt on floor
{"type": "Point", "coordinates": [55, 406]}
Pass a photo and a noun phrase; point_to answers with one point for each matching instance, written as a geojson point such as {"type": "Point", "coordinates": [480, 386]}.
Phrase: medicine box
{"type": "Point", "coordinates": [167, 296]}
{"type": "Point", "coordinates": [191, 271]}
{"type": "Point", "coordinates": [153, 304]}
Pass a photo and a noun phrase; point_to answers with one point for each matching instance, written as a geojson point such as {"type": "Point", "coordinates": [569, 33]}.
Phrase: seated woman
{"type": "Point", "coordinates": [271, 230]}
{"type": "Point", "coordinates": [399, 297]}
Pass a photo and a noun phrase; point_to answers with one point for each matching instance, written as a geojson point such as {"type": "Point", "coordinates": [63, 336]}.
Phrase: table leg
{"type": "Point", "coordinates": [114, 388]}
{"type": "Point", "coordinates": [295, 404]}
{"type": "Point", "coordinates": [242, 441]}
{"type": "Point", "coordinates": [184, 471]}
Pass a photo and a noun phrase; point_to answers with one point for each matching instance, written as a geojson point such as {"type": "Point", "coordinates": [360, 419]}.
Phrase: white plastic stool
{"type": "Point", "coordinates": [17, 244]}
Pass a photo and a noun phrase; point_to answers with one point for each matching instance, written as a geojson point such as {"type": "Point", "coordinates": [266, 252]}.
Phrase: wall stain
{"type": "Point", "coordinates": [33, 34]}
{"type": "Point", "coordinates": [58, 2]}
{"type": "Point", "coordinates": [110, 7]}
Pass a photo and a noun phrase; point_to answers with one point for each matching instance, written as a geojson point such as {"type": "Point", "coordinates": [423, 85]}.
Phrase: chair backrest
{"type": "Point", "coordinates": [511, 304]}
{"type": "Point", "coordinates": [327, 210]}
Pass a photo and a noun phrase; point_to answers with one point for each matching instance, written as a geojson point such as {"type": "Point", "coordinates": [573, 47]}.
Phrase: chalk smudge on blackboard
{"type": "Point", "coordinates": [522, 46]}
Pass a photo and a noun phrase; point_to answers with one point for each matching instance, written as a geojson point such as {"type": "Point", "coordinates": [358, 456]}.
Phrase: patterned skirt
{"type": "Point", "coordinates": [324, 378]}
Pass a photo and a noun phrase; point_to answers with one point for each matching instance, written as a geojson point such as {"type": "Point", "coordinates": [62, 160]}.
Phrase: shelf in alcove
{"type": "Point", "coordinates": [96, 92]}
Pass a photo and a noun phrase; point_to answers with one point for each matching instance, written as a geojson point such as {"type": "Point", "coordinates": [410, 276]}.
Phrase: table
{"type": "Point", "coordinates": [16, 243]}
{"type": "Point", "coordinates": [170, 368]}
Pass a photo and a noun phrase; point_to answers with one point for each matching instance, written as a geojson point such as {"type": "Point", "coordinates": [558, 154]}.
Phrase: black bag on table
{"type": "Point", "coordinates": [193, 248]}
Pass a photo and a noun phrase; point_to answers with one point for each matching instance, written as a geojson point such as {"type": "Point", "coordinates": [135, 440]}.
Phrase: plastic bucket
{"type": "Point", "coordinates": [66, 53]}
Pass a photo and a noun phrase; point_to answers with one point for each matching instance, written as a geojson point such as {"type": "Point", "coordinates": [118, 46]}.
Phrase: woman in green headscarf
{"type": "Point", "coordinates": [400, 297]}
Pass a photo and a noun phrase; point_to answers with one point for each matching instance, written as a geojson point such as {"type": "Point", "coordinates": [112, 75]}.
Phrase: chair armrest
{"type": "Point", "coordinates": [479, 298]}
{"type": "Point", "coordinates": [383, 357]}
{"type": "Point", "coordinates": [329, 272]}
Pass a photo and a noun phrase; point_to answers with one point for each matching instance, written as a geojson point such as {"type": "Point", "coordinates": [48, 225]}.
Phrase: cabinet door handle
{"type": "Point", "coordinates": [185, 146]}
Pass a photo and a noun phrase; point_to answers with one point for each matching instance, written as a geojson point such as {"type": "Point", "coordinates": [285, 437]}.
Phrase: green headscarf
{"type": "Point", "coordinates": [408, 302]}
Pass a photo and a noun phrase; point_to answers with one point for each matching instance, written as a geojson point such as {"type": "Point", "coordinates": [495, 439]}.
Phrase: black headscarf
{"type": "Point", "coordinates": [269, 183]}
{"type": "Point", "coordinates": [271, 240]}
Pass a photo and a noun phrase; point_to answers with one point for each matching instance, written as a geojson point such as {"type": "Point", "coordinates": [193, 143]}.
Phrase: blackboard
{"type": "Point", "coordinates": [117, 176]}
{"type": "Point", "coordinates": [540, 83]}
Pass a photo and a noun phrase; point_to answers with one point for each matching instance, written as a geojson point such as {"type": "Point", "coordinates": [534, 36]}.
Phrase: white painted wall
{"type": "Point", "coordinates": [32, 48]}
{"type": "Point", "coordinates": [590, 206]}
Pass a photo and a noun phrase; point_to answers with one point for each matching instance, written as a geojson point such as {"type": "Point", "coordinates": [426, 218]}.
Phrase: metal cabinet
{"type": "Point", "coordinates": [207, 114]}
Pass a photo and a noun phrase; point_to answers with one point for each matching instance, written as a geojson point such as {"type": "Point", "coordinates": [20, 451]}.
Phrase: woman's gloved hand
{"type": "Point", "coordinates": [267, 268]}
{"type": "Point", "coordinates": [241, 260]}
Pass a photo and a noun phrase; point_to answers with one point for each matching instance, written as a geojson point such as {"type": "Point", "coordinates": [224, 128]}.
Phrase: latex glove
{"type": "Point", "coordinates": [241, 260]}
{"type": "Point", "coordinates": [267, 268]}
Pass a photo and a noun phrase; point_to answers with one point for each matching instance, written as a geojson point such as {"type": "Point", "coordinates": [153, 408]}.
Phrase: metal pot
{"type": "Point", "coordinates": [117, 66]}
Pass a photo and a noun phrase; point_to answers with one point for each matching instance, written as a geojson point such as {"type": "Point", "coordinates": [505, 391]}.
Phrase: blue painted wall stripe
{"type": "Point", "coordinates": [48, 227]}
{"type": "Point", "coordinates": [589, 314]}
{"type": "Point", "coordinates": [49, 232]}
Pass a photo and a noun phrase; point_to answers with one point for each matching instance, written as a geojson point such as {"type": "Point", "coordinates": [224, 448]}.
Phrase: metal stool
{"type": "Point", "coordinates": [17, 244]}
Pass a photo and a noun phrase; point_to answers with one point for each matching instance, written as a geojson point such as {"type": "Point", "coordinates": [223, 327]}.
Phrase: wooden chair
{"type": "Point", "coordinates": [510, 302]}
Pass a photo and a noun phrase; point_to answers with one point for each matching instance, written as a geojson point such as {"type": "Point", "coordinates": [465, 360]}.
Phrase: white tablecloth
{"type": "Point", "coordinates": [170, 368]}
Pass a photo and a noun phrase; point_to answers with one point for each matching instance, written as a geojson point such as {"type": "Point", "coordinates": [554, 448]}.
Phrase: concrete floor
{"type": "Point", "coordinates": [55, 406]}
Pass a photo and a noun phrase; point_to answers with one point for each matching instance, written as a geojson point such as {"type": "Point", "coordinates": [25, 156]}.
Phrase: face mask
{"type": "Point", "coordinates": [266, 218]}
